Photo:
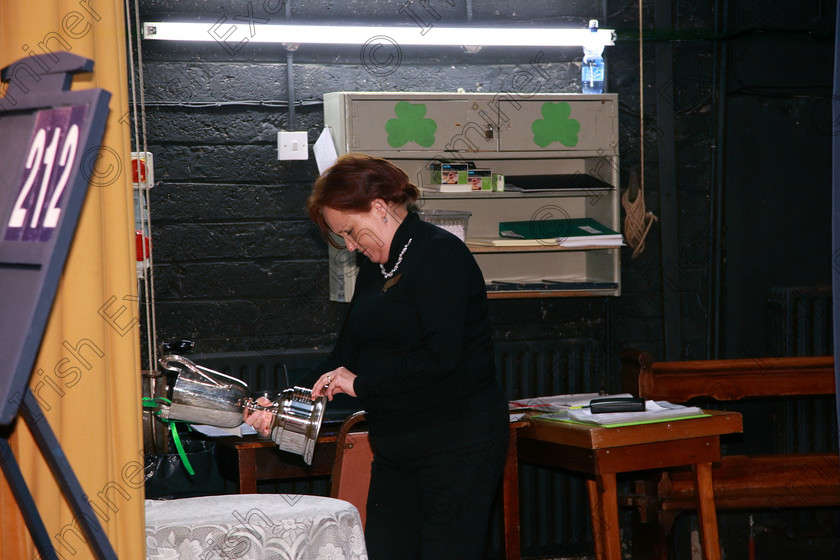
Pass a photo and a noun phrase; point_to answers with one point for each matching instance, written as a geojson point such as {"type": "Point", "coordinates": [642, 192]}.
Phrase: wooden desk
{"type": "Point", "coordinates": [601, 453]}
{"type": "Point", "coordinates": [249, 459]}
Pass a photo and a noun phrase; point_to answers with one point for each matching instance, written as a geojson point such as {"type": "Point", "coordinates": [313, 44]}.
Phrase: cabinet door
{"type": "Point", "coordinates": [418, 125]}
{"type": "Point", "coordinates": [557, 125]}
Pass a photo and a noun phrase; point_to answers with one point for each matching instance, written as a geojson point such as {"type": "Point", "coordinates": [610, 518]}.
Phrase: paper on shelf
{"type": "Point", "coordinates": [510, 242]}
{"type": "Point", "coordinates": [324, 150]}
{"type": "Point", "coordinates": [589, 242]}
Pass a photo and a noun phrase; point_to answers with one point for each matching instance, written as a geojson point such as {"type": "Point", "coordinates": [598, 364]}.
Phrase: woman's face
{"type": "Point", "coordinates": [365, 232]}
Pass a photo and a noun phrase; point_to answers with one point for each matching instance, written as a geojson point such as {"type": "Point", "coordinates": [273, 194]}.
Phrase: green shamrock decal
{"type": "Point", "coordinates": [410, 126]}
{"type": "Point", "coordinates": [556, 126]}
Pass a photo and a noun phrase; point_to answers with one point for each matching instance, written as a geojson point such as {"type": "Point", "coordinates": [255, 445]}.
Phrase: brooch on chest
{"type": "Point", "coordinates": [392, 281]}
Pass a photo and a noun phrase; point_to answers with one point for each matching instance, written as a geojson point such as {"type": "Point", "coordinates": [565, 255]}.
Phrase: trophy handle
{"type": "Point", "coordinates": [204, 372]}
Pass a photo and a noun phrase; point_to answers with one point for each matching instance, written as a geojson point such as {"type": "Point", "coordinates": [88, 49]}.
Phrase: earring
{"type": "Point", "coordinates": [384, 219]}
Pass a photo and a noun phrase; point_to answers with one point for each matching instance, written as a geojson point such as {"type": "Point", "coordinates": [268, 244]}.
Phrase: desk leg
{"type": "Point", "coordinates": [510, 500]}
{"type": "Point", "coordinates": [596, 514]}
{"type": "Point", "coordinates": [247, 471]}
{"type": "Point", "coordinates": [603, 503]}
{"type": "Point", "coordinates": [706, 511]}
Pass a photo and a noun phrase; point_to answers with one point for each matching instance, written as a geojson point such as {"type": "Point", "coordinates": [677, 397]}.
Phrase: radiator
{"type": "Point", "coordinates": [801, 325]}
{"type": "Point", "coordinates": [269, 369]}
{"type": "Point", "coordinates": [800, 321]}
{"type": "Point", "coordinates": [553, 506]}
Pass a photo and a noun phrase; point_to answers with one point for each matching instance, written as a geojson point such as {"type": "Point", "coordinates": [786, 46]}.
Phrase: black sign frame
{"type": "Point", "coordinates": [31, 269]}
{"type": "Point", "coordinates": [49, 143]}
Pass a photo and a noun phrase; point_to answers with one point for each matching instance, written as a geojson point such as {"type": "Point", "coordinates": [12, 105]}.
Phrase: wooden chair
{"type": "Point", "coordinates": [744, 482]}
{"type": "Point", "coordinates": [351, 470]}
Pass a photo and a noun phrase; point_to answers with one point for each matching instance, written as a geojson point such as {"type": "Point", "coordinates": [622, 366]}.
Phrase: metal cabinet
{"type": "Point", "coordinates": [562, 136]}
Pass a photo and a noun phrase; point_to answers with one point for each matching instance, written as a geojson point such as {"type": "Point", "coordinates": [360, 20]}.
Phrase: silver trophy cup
{"type": "Point", "coordinates": [204, 396]}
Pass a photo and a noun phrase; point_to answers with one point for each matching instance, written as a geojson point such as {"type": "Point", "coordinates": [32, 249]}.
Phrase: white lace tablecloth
{"type": "Point", "coordinates": [253, 526]}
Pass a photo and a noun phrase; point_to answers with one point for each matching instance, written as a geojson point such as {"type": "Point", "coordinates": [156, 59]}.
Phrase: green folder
{"type": "Point", "coordinates": [556, 229]}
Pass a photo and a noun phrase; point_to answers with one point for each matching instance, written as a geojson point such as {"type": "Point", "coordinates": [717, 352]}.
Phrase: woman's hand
{"type": "Point", "coordinates": [260, 420]}
{"type": "Point", "coordinates": [336, 381]}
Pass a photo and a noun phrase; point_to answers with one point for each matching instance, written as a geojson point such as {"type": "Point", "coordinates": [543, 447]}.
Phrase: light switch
{"type": "Point", "coordinates": [292, 145]}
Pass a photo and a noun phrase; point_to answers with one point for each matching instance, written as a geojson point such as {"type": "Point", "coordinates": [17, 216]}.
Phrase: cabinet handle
{"type": "Point", "coordinates": [488, 132]}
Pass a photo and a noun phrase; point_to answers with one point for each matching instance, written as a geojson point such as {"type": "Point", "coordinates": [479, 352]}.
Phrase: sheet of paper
{"type": "Point", "coordinates": [654, 410]}
{"type": "Point", "coordinates": [324, 150]}
{"type": "Point", "coordinates": [557, 403]}
{"type": "Point", "coordinates": [215, 431]}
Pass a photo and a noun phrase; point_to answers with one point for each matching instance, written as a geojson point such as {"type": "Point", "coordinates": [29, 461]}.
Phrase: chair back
{"type": "Point", "coordinates": [351, 470]}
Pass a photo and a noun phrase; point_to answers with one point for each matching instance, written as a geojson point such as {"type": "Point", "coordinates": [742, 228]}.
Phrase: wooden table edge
{"type": "Point", "coordinates": [598, 437]}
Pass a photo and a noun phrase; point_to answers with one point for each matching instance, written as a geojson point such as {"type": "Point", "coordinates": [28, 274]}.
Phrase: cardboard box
{"type": "Point", "coordinates": [448, 173]}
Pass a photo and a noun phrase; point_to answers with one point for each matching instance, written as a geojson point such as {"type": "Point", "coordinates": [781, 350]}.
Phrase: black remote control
{"type": "Point", "coordinates": [617, 404]}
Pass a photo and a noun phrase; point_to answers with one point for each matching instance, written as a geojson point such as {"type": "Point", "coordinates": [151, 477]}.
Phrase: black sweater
{"type": "Point", "coordinates": [420, 341]}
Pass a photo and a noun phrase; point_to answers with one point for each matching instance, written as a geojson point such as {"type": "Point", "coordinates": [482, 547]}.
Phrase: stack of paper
{"type": "Point", "coordinates": [655, 411]}
{"type": "Point", "coordinates": [509, 242]}
{"type": "Point", "coordinates": [593, 241]}
{"type": "Point", "coordinates": [556, 405]}
{"type": "Point", "coordinates": [544, 405]}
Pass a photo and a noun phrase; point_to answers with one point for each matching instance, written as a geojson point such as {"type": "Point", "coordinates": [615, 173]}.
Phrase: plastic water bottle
{"type": "Point", "coordinates": [592, 69]}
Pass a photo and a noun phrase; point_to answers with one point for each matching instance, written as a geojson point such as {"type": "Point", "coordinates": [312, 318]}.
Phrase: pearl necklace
{"type": "Point", "coordinates": [399, 260]}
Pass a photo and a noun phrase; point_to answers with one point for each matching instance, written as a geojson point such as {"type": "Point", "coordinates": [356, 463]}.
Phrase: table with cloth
{"type": "Point", "coordinates": [254, 526]}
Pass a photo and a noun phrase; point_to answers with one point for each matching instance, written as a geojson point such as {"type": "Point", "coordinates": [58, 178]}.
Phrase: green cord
{"type": "Point", "coordinates": [153, 403]}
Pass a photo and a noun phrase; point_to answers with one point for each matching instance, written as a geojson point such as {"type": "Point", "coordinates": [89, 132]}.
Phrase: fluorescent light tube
{"type": "Point", "coordinates": [222, 31]}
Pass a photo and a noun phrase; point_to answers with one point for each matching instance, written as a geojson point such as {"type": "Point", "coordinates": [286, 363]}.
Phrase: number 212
{"type": "Point", "coordinates": [41, 153]}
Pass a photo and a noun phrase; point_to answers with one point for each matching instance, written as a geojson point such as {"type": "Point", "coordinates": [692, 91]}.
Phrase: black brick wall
{"type": "Point", "coordinates": [238, 266]}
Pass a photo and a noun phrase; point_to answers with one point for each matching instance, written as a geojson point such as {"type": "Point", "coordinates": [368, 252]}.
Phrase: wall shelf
{"type": "Point", "coordinates": [570, 137]}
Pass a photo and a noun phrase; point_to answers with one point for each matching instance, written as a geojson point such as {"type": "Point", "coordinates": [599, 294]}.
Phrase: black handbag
{"type": "Point", "coordinates": [167, 475]}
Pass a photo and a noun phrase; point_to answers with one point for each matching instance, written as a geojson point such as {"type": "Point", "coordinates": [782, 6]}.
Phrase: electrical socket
{"type": "Point", "coordinates": [292, 145]}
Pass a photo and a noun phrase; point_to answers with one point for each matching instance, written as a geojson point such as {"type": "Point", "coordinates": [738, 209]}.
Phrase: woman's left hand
{"type": "Point", "coordinates": [260, 420]}
{"type": "Point", "coordinates": [339, 380]}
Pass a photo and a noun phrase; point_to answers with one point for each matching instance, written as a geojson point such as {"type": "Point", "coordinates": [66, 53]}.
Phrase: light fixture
{"type": "Point", "coordinates": [229, 33]}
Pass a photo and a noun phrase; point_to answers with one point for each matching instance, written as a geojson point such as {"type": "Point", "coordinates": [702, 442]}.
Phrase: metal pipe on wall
{"type": "Point", "coordinates": [716, 239]}
{"type": "Point", "coordinates": [290, 73]}
{"type": "Point", "coordinates": [835, 156]}
{"type": "Point", "coordinates": [290, 86]}
{"type": "Point", "coordinates": [669, 215]}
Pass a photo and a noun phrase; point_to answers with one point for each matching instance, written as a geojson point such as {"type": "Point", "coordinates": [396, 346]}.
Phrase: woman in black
{"type": "Point", "coordinates": [416, 349]}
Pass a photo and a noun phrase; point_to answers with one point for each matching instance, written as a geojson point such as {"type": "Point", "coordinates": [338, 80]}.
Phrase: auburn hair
{"type": "Point", "coordinates": [352, 183]}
